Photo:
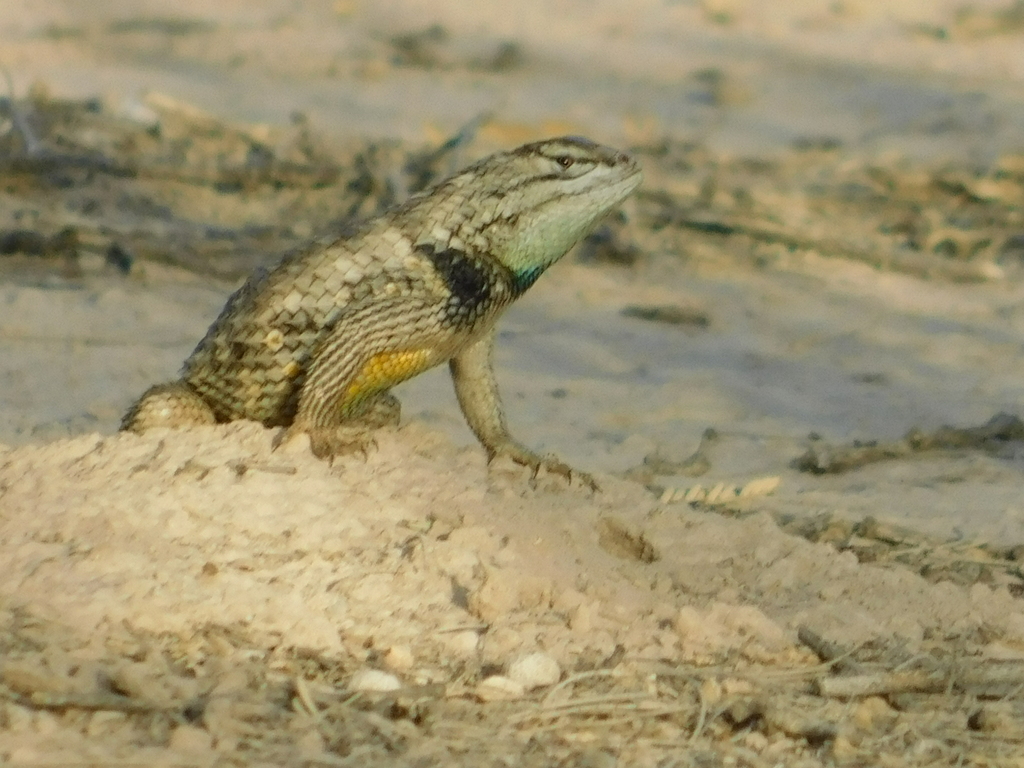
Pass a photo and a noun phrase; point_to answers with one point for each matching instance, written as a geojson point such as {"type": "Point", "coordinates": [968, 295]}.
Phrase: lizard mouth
{"type": "Point", "coordinates": [632, 175]}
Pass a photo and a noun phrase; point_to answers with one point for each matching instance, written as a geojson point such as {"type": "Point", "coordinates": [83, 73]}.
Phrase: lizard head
{"type": "Point", "coordinates": [537, 201]}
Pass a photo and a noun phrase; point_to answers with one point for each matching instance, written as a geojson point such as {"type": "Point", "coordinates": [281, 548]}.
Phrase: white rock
{"type": "Point", "coordinates": [465, 643]}
{"type": "Point", "coordinates": [374, 680]}
{"type": "Point", "coordinates": [139, 113]}
{"type": "Point", "coordinates": [534, 670]}
{"type": "Point", "coordinates": [499, 688]}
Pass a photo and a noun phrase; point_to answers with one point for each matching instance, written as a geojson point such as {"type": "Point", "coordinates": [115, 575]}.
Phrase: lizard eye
{"type": "Point", "coordinates": [564, 160]}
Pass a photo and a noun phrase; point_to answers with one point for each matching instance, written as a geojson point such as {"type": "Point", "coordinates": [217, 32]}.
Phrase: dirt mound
{"type": "Point", "coordinates": [198, 591]}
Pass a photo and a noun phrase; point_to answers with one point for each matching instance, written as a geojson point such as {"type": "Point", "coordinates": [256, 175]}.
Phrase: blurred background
{"type": "Point", "coordinates": [917, 76]}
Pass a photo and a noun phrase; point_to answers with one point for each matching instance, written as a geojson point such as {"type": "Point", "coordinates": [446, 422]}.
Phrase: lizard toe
{"type": "Point", "coordinates": [550, 464]}
{"type": "Point", "coordinates": [340, 441]}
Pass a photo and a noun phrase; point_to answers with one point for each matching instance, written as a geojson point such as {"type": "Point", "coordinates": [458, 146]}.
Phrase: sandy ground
{"type": "Point", "coordinates": [826, 250]}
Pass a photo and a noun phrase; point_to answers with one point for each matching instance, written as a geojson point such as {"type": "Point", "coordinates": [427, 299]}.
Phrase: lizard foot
{"type": "Point", "coordinates": [384, 410]}
{"type": "Point", "coordinates": [329, 442]}
{"type": "Point", "coordinates": [550, 464]}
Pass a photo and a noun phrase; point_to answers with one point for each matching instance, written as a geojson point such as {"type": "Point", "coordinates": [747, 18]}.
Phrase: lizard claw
{"type": "Point", "coordinates": [550, 464]}
{"type": "Point", "coordinates": [327, 443]}
{"type": "Point", "coordinates": [557, 467]}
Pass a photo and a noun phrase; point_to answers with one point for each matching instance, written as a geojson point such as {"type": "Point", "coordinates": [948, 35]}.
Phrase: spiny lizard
{"type": "Point", "coordinates": [316, 343]}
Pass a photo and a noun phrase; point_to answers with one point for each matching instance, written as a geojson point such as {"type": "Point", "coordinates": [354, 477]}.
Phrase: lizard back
{"type": "Point", "coordinates": [253, 361]}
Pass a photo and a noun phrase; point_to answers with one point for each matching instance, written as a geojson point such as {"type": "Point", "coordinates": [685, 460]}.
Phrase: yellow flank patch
{"type": "Point", "coordinates": [385, 370]}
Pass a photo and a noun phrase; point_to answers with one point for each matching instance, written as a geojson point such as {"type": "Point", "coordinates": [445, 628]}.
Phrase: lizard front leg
{"type": "Point", "coordinates": [477, 391]}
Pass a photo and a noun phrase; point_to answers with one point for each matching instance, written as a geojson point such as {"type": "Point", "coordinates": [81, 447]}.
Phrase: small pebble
{"type": "Point", "coordinates": [189, 738]}
{"type": "Point", "coordinates": [581, 620]}
{"type": "Point", "coordinates": [499, 688]}
{"type": "Point", "coordinates": [374, 680]}
{"type": "Point", "coordinates": [27, 678]}
{"type": "Point", "coordinates": [399, 658]}
{"type": "Point", "coordinates": [994, 718]}
{"type": "Point", "coordinates": [874, 714]}
{"type": "Point", "coordinates": [534, 670]}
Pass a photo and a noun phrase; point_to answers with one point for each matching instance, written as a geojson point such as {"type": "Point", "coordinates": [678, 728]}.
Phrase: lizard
{"type": "Point", "coordinates": [316, 343]}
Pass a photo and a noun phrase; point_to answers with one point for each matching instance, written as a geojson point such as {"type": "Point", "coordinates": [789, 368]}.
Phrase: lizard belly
{"type": "Point", "coordinates": [383, 371]}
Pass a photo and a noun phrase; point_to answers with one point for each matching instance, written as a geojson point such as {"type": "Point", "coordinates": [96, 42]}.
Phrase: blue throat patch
{"type": "Point", "coordinates": [527, 277]}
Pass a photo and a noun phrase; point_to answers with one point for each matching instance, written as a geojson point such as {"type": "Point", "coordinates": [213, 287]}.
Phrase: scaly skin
{"type": "Point", "coordinates": [316, 343]}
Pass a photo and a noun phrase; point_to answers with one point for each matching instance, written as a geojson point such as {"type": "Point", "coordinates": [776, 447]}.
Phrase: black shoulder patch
{"type": "Point", "coordinates": [470, 281]}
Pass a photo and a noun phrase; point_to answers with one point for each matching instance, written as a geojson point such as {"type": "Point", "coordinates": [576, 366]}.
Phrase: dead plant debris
{"type": "Point", "coordinates": [1000, 432]}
